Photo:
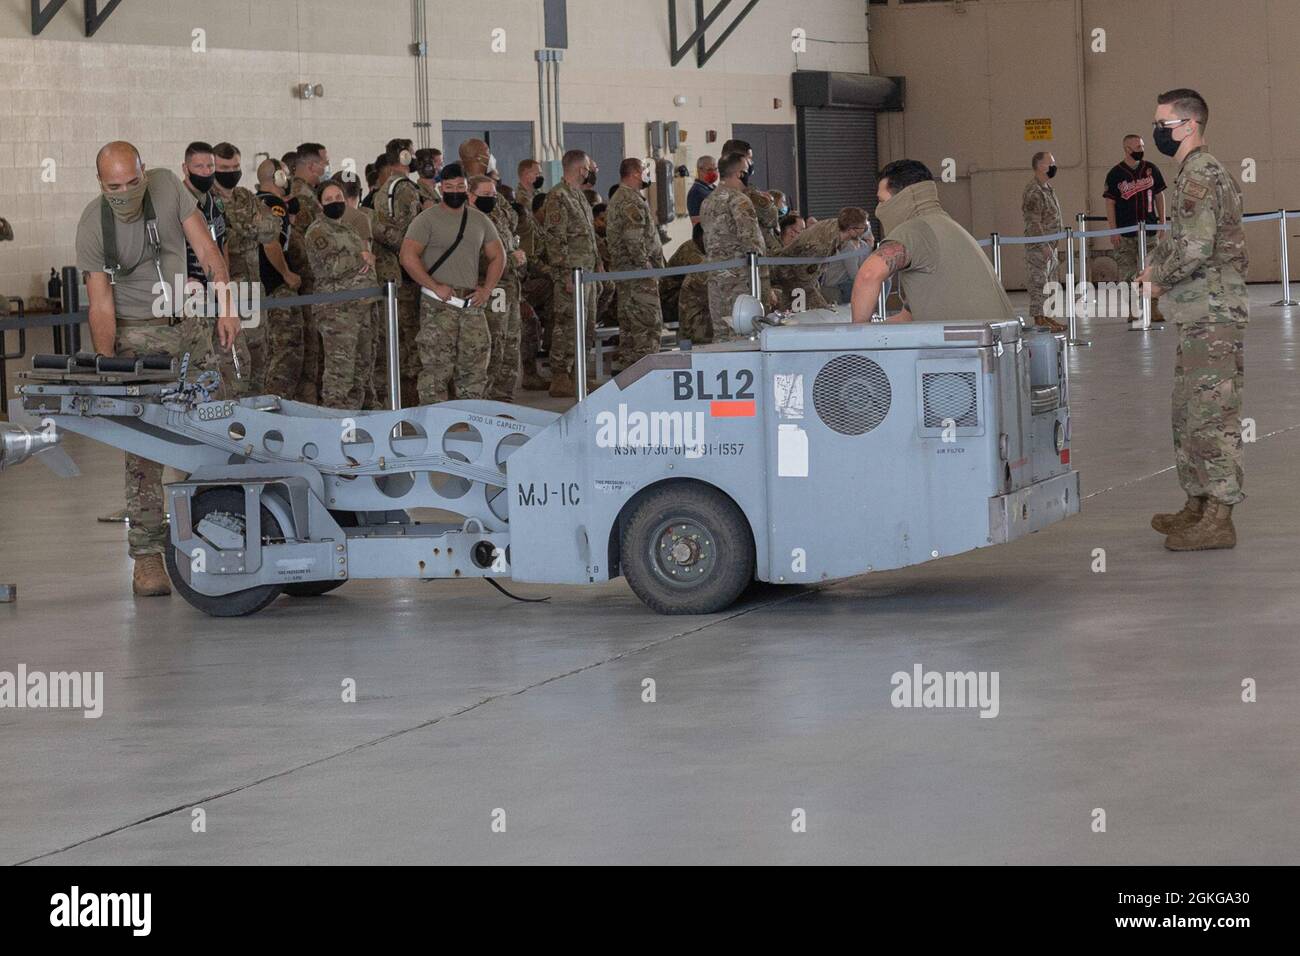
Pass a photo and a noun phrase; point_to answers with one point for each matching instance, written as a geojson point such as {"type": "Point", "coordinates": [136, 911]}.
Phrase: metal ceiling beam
{"type": "Point", "coordinates": [95, 17]}
{"type": "Point", "coordinates": [41, 17]}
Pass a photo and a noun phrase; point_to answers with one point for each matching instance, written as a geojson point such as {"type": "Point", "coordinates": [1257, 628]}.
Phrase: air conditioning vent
{"type": "Point", "coordinates": [851, 394]}
{"type": "Point", "coordinates": [950, 395]}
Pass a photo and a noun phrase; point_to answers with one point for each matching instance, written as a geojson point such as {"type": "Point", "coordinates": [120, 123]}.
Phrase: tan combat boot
{"type": "Point", "coordinates": [150, 577]}
{"type": "Point", "coordinates": [532, 380]}
{"type": "Point", "coordinates": [1169, 522]}
{"type": "Point", "coordinates": [562, 384]}
{"type": "Point", "coordinates": [1043, 322]}
{"type": "Point", "coordinates": [1213, 531]}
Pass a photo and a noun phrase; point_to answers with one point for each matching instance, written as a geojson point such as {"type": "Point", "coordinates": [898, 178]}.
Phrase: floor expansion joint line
{"type": "Point", "coordinates": [1141, 478]}
{"type": "Point", "coordinates": [741, 612]}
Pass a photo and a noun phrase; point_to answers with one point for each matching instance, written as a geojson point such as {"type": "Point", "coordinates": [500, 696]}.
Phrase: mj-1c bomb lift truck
{"type": "Point", "coordinates": [799, 453]}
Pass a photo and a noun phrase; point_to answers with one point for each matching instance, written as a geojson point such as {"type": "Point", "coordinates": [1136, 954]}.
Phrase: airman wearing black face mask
{"type": "Point", "coordinates": [282, 350]}
{"type": "Point", "coordinates": [428, 163]}
{"type": "Point", "coordinates": [1134, 193]}
{"type": "Point", "coordinates": [1042, 213]}
{"type": "Point", "coordinates": [396, 206]}
{"type": "Point", "coordinates": [769, 217]}
{"type": "Point", "coordinates": [199, 173]}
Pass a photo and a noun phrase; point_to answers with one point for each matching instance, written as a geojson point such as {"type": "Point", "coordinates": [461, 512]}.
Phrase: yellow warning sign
{"type": "Point", "coordinates": [1038, 128]}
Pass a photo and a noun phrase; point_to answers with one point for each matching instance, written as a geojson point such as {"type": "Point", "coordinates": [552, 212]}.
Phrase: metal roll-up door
{"type": "Point", "coordinates": [837, 160]}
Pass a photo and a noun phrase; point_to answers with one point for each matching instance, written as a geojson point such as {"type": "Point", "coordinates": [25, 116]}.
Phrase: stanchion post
{"type": "Point", "coordinates": [1071, 313]}
{"type": "Point", "coordinates": [394, 362]}
{"type": "Point", "coordinates": [1082, 272]}
{"type": "Point", "coordinates": [1286, 299]}
{"type": "Point", "coordinates": [755, 280]}
{"type": "Point", "coordinates": [996, 241]}
{"type": "Point", "coordinates": [1144, 324]}
{"type": "Point", "coordinates": [882, 304]}
{"type": "Point", "coordinates": [580, 337]}
{"type": "Point", "coordinates": [1069, 281]}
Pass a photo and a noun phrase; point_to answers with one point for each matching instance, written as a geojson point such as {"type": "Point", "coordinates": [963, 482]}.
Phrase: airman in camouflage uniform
{"type": "Point", "coordinates": [387, 269]}
{"type": "Point", "coordinates": [248, 224]}
{"type": "Point", "coordinates": [503, 306]}
{"type": "Point", "coordinates": [1042, 213]}
{"type": "Point", "coordinates": [692, 304]}
{"type": "Point", "coordinates": [536, 293]}
{"type": "Point", "coordinates": [146, 513]}
{"type": "Point", "coordinates": [634, 244]}
{"type": "Point", "coordinates": [397, 204]}
{"type": "Point", "coordinates": [731, 230]}
{"type": "Point", "coordinates": [769, 220]}
{"type": "Point", "coordinates": [309, 212]}
{"type": "Point", "coordinates": [1199, 271]}
{"type": "Point", "coordinates": [800, 286]}
{"type": "Point", "coordinates": [570, 243]}
{"type": "Point", "coordinates": [338, 262]}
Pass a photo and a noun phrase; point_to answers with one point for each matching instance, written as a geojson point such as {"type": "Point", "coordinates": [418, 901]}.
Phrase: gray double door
{"type": "Point", "coordinates": [510, 142]}
{"type": "Point", "coordinates": [774, 157]}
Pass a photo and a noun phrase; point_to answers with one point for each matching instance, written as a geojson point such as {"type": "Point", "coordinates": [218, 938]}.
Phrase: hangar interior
{"type": "Point", "coordinates": [403, 721]}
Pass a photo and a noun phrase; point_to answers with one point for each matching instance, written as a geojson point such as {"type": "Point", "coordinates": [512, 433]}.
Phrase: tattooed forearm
{"type": "Point", "coordinates": [894, 255]}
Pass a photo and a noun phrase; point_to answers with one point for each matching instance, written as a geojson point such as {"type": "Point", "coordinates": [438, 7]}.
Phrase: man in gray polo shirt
{"type": "Point", "coordinates": [130, 281]}
{"type": "Point", "coordinates": [441, 253]}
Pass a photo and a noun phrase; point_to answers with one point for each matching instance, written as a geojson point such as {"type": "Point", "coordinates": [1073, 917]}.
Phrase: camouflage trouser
{"type": "Point", "coordinates": [563, 332]}
{"type": "Point", "coordinates": [255, 337]}
{"type": "Point", "coordinates": [409, 324]}
{"type": "Point", "coordinates": [146, 514]}
{"type": "Point", "coordinates": [282, 347]}
{"type": "Point", "coordinates": [1041, 267]}
{"type": "Point", "coordinates": [640, 320]}
{"type": "Point", "coordinates": [375, 375]}
{"type": "Point", "coordinates": [505, 329]}
{"type": "Point", "coordinates": [309, 382]}
{"type": "Point", "coordinates": [1208, 378]}
{"type": "Point", "coordinates": [724, 287]}
{"type": "Point", "coordinates": [346, 352]}
{"type": "Point", "coordinates": [693, 310]}
{"type": "Point", "coordinates": [534, 334]}
{"type": "Point", "coordinates": [669, 289]}
{"type": "Point", "coordinates": [1126, 256]}
{"type": "Point", "coordinates": [455, 348]}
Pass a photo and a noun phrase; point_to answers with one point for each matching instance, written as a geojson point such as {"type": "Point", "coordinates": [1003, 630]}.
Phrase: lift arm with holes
{"type": "Point", "coordinates": [449, 456]}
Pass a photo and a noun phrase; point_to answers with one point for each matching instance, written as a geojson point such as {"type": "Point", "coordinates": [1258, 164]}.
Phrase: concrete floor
{"type": "Point", "coordinates": [1118, 690]}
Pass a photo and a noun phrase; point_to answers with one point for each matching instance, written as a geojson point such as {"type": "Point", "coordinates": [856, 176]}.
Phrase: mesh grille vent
{"type": "Point", "coordinates": [950, 395]}
{"type": "Point", "coordinates": [851, 394]}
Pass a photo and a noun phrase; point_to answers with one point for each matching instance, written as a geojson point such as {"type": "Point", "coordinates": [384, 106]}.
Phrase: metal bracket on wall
{"type": "Point", "coordinates": [41, 17]}
{"type": "Point", "coordinates": [94, 16]}
{"type": "Point", "coordinates": [703, 53]}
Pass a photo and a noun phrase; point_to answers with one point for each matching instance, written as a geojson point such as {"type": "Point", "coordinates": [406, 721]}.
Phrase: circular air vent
{"type": "Point", "coordinates": [851, 394]}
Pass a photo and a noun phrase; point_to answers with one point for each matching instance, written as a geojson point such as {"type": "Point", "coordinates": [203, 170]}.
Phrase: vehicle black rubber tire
{"type": "Point", "coordinates": [345, 519]}
{"type": "Point", "coordinates": [238, 603]}
{"type": "Point", "coordinates": [731, 537]}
